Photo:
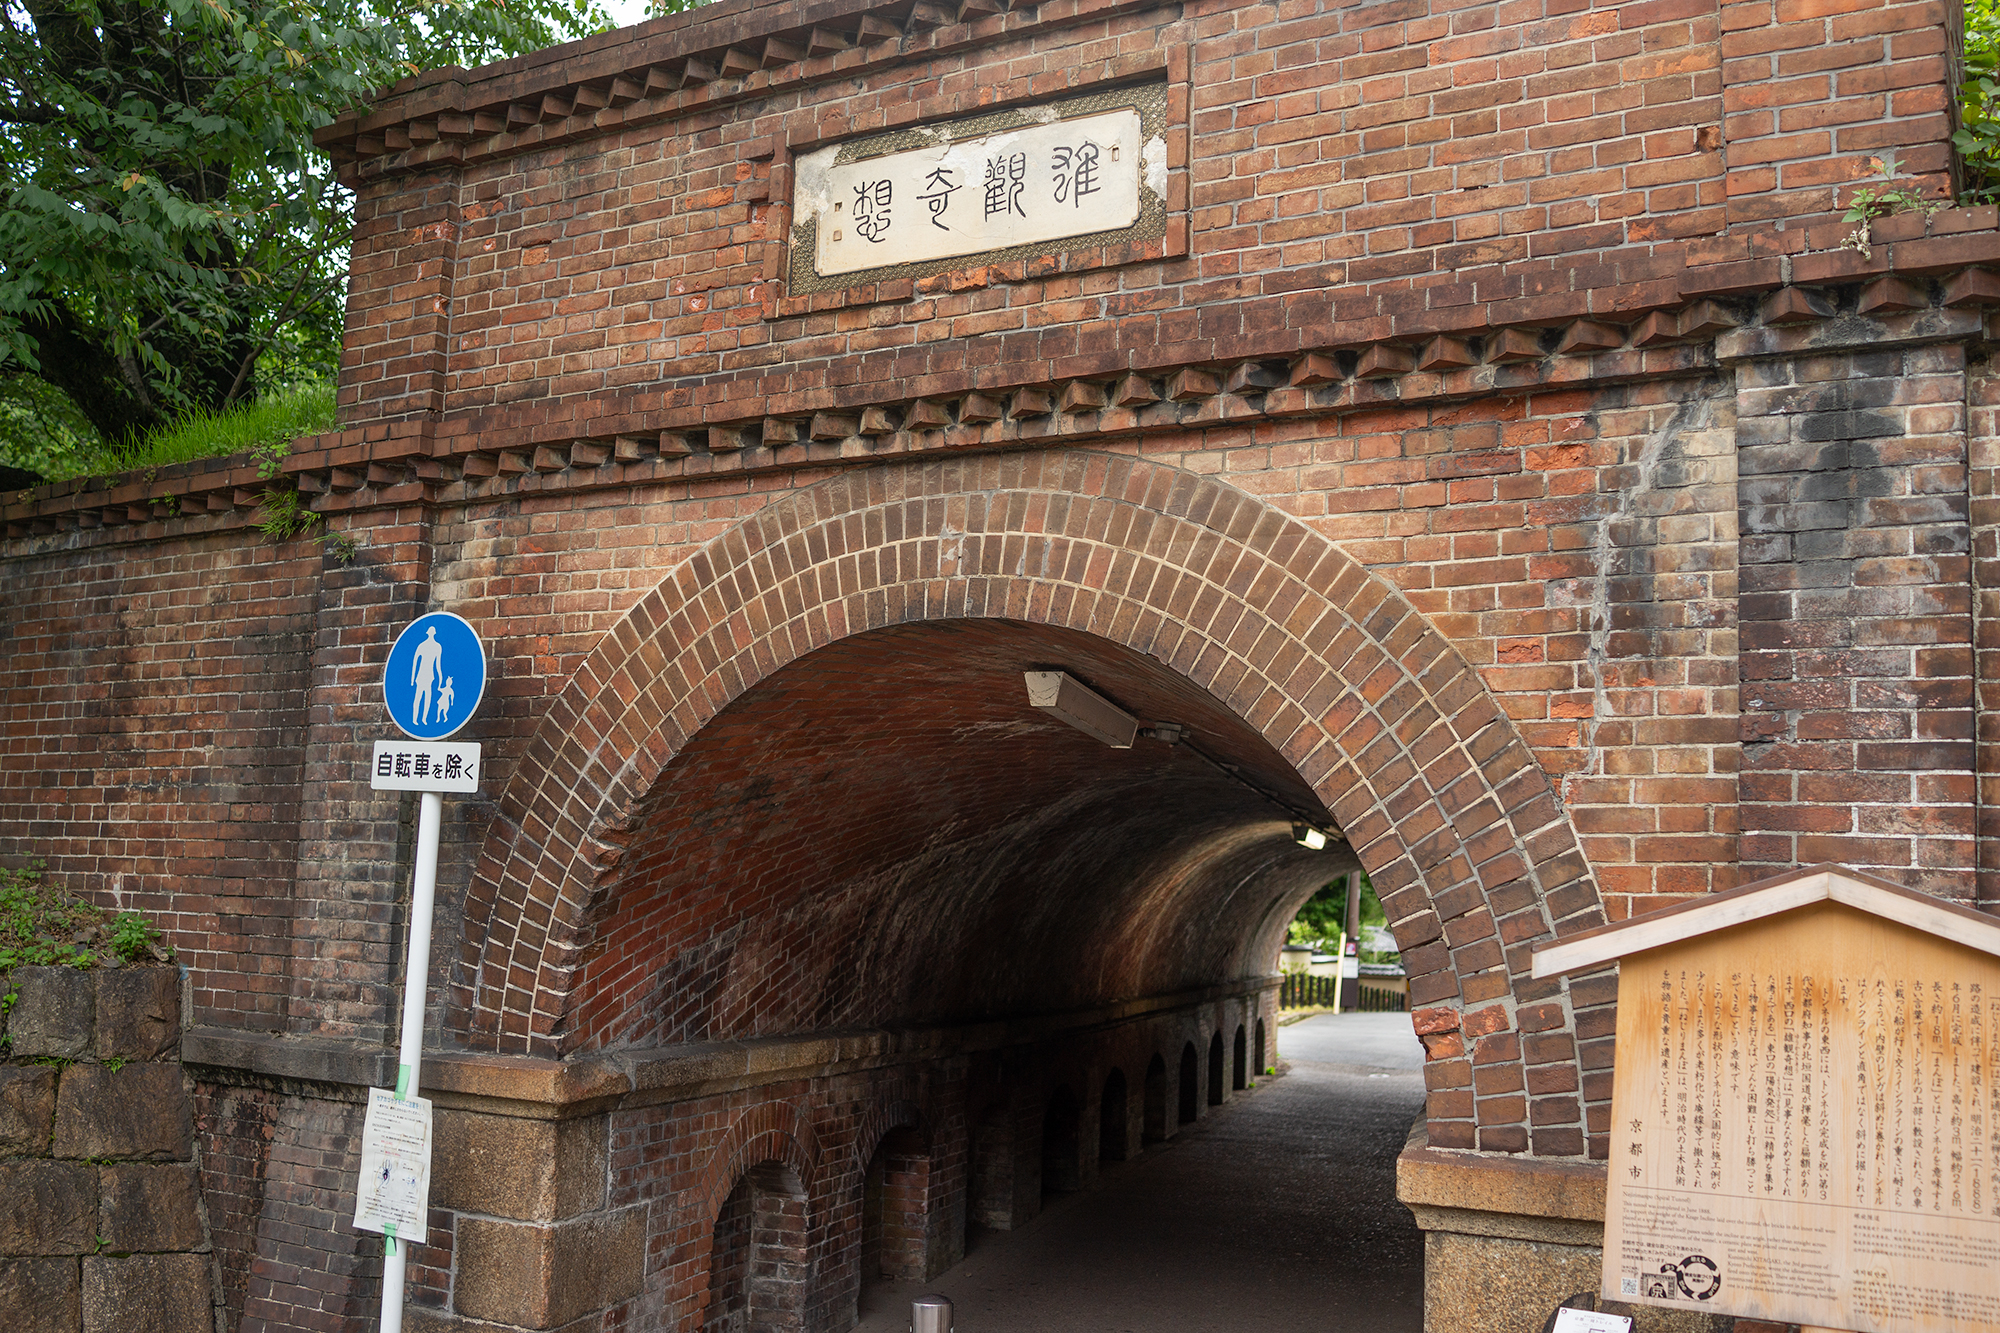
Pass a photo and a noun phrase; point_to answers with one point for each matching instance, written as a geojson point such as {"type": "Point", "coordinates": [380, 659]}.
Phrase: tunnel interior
{"type": "Point", "coordinates": [884, 832]}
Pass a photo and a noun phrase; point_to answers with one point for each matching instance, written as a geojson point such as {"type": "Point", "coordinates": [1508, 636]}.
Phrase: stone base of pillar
{"type": "Point", "coordinates": [1508, 1239]}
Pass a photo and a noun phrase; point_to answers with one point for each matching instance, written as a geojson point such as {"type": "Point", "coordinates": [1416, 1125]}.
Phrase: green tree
{"type": "Point", "coordinates": [1324, 915]}
{"type": "Point", "coordinates": [167, 227]}
{"type": "Point", "coordinates": [1978, 136]}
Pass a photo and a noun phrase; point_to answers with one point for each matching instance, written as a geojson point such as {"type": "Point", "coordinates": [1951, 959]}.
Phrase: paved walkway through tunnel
{"type": "Point", "coordinates": [1278, 1212]}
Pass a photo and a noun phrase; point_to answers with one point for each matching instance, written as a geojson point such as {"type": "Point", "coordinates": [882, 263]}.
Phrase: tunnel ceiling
{"type": "Point", "coordinates": [885, 833]}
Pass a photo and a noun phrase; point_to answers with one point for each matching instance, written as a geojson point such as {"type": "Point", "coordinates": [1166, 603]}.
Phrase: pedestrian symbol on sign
{"type": "Point", "coordinates": [435, 676]}
{"type": "Point", "coordinates": [423, 673]}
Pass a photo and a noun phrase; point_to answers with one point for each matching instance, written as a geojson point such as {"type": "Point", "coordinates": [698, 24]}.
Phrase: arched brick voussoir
{"type": "Point", "coordinates": [771, 1131]}
{"type": "Point", "coordinates": [883, 1117]}
{"type": "Point", "coordinates": [1371, 704]}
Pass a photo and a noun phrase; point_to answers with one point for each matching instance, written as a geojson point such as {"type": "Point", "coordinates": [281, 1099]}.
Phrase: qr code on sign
{"type": "Point", "coordinates": [1628, 1286]}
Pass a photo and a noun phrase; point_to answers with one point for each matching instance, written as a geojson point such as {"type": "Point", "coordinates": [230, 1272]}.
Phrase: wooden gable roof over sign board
{"type": "Point", "coordinates": [1768, 898]}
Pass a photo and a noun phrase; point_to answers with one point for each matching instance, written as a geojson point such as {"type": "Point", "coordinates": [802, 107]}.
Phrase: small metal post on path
{"type": "Point", "coordinates": [432, 684]}
{"type": "Point", "coordinates": [930, 1314]}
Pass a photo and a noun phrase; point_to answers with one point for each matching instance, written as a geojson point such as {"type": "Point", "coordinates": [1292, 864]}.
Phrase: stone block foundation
{"type": "Point", "coordinates": [752, 1185]}
{"type": "Point", "coordinates": [103, 1227]}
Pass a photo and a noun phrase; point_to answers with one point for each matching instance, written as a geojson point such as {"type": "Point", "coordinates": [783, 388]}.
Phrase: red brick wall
{"type": "Point", "coordinates": [1416, 468]}
{"type": "Point", "coordinates": [1812, 85]}
{"type": "Point", "coordinates": [1578, 548]}
{"type": "Point", "coordinates": [235, 1128]}
{"type": "Point", "coordinates": [313, 1270]}
{"type": "Point", "coordinates": [1858, 724]}
{"type": "Point", "coordinates": [1397, 169]}
{"type": "Point", "coordinates": [1983, 524]}
{"type": "Point", "coordinates": [154, 740]}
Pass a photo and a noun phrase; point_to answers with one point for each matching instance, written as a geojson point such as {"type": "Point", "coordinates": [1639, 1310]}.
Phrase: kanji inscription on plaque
{"type": "Point", "coordinates": [1021, 186]}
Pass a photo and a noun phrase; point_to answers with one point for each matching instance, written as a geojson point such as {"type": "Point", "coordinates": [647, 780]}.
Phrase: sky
{"type": "Point", "coordinates": [625, 12]}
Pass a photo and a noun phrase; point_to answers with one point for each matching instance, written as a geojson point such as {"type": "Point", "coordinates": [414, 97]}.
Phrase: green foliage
{"type": "Point", "coordinates": [283, 516]}
{"type": "Point", "coordinates": [266, 429]}
{"type": "Point", "coordinates": [168, 230]}
{"type": "Point", "coordinates": [1324, 915]}
{"type": "Point", "coordinates": [1978, 136]}
{"type": "Point", "coordinates": [42, 431]}
{"type": "Point", "coordinates": [132, 936]}
{"type": "Point", "coordinates": [1875, 201]}
{"type": "Point", "coordinates": [267, 426]}
{"type": "Point", "coordinates": [41, 926]}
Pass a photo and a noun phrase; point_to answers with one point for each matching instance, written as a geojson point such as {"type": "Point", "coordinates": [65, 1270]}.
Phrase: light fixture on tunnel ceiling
{"type": "Point", "coordinates": [1305, 835]}
{"type": "Point", "coordinates": [1065, 697]}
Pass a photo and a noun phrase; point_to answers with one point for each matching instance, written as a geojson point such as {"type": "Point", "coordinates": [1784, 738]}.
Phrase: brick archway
{"type": "Point", "coordinates": [883, 1118]}
{"type": "Point", "coordinates": [770, 1133]}
{"type": "Point", "coordinates": [1437, 793]}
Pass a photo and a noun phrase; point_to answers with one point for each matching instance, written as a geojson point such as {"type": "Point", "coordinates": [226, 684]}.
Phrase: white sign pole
{"type": "Point", "coordinates": [416, 980]}
{"type": "Point", "coordinates": [431, 685]}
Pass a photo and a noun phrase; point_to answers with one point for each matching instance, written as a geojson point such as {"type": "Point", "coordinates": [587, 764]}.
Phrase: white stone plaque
{"type": "Point", "coordinates": [1590, 1321]}
{"type": "Point", "coordinates": [1015, 187]}
{"type": "Point", "coordinates": [393, 1194]}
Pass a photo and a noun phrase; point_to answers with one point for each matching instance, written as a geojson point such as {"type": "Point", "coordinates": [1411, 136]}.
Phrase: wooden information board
{"type": "Point", "coordinates": [1806, 1121]}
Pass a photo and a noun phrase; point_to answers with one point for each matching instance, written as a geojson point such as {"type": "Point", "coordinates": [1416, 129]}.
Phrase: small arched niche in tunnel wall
{"type": "Point", "coordinates": [886, 832]}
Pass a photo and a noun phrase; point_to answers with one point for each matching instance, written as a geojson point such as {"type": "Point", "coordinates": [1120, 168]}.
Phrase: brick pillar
{"type": "Point", "coordinates": [1983, 398]}
{"type": "Point", "coordinates": [355, 848]}
{"type": "Point", "coordinates": [1857, 700]}
{"type": "Point", "coordinates": [1814, 88]}
{"type": "Point", "coordinates": [314, 1273]}
{"type": "Point", "coordinates": [394, 354]}
{"type": "Point", "coordinates": [780, 1271]}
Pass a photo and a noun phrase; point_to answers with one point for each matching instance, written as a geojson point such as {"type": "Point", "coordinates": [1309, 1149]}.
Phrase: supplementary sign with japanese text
{"type": "Point", "coordinates": [1040, 182]}
{"type": "Point", "coordinates": [1807, 1127]}
{"type": "Point", "coordinates": [393, 1194]}
{"type": "Point", "coordinates": [424, 766]}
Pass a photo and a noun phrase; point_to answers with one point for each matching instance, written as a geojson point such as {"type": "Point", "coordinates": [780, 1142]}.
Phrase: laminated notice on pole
{"type": "Point", "coordinates": [425, 766]}
{"type": "Point", "coordinates": [395, 1185]}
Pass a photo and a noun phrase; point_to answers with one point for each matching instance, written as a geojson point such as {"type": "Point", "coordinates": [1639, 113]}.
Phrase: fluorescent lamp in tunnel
{"type": "Point", "coordinates": [1060, 694]}
{"type": "Point", "coordinates": [1305, 835]}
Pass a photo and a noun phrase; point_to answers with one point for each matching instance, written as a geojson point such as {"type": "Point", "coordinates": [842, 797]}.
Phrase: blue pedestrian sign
{"type": "Point", "coordinates": [435, 677]}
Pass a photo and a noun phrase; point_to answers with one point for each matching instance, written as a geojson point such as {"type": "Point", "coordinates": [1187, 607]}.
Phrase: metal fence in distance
{"type": "Point", "coordinates": [1299, 990]}
{"type": "Point", "coordinates": [1376, 1000]}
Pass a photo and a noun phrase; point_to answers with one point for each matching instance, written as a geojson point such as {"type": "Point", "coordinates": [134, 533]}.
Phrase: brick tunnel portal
{"type": "Point", "coordinates": [885, 833]}
{"type": "Point", "coordinates": [843, 947]}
